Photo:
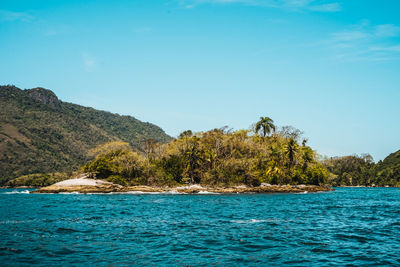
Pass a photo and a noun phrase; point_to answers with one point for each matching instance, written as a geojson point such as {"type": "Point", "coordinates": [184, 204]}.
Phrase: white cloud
{"type": "Point", "coordinates": [332, 7]}
{"type": "Point", "coordinates": [292, 5]}
{"type": "Point", "coordinates": [365, 31]}
{"type": "Point", "coordinates": [349, 35]}
{"type": "Point", "coordinates": [387, 30]}
{"type": "Point", "coordinates": [6, 15]}
{"type": "Point", "coordinates": [366, 42]}
{"type": "Point", "coordinates": [390, 48]}
{"type": "Point", "coordinates": [89, 63]}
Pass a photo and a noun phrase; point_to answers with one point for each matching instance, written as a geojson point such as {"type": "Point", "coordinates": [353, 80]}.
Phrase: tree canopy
{"type": "Point", "coordinates": [216, 157]}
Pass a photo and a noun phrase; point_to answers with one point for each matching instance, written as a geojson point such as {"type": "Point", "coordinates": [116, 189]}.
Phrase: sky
{"type": "Point", "coordinates": [329, 68]}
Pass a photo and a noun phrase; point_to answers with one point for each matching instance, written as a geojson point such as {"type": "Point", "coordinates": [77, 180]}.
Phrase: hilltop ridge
{"type": "Point", "coordinates": [40, 133]}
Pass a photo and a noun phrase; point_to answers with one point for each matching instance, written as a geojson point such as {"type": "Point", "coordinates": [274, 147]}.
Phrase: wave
{"type": "Point", "coordinates": [139, 193]}
{"type": "Point", "coordinates": [152, 193]}
{"type": "Point", "coordinates": [305, 192]}
{"type": "Point", "coordinates": [207, 193]}
{"type": "Point", "coordinates": [17, 192]}
{"type": "Point", "coordinates": [174, 192]}
{"type": "Point", "coordinates": [250, 221]}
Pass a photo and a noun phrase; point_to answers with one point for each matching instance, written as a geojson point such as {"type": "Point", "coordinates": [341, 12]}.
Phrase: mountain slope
{"type": "Point", "coordinates": [388, 170]}
{"type": "Point", "coordinates": [40, 133]}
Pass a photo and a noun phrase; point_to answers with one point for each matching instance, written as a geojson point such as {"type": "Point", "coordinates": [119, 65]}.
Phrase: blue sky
{"type": "Point", "coordinates": [329, 68]}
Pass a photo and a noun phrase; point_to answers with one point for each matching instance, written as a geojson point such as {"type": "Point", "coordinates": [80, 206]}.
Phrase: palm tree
{"type": "Point", "coordinates": [291, 151]}
{"type": "Point", "coordinates": [266, 124]}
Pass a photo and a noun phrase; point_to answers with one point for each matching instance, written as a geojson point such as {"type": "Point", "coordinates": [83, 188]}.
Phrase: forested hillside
{"type": "Point", "coordinates": [362, 171]}
{"type": "Point", "coordinates": [39, 133]}
{"type": "Point", "coordinates": [388, 170]}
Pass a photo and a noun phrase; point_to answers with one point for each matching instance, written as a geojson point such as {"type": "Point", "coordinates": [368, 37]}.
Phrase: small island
{"type": "Point", "coordinates": [261, 160]}
{"type": "Point", "coordinates": [265, 159]}
{"type": "Point", "coordinates": [43, 149]}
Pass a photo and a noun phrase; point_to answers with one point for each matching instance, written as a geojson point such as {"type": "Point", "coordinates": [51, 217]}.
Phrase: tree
{"type": "Point", "coordinates": [265, 125]}
{"type": "Point", "coordinates": [291, 150]}
{"type": "Point", "coordinates": [187, 133]}
{"type": "Point", "coordinates": [307, 157]}
{"type": "Point", "coordinates": [149, 146]}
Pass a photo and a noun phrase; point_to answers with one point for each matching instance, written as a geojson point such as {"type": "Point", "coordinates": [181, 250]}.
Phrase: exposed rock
{"type": "Point", "coordinates": [84, 185]}
{"type": "Point", "coordinates": [81, 185]}
{"type": "Point", "coordinates": [44, 96]}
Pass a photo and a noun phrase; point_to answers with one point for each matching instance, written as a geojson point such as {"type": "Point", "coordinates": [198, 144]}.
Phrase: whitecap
{"type": "Point", "coordinates": [174, 192]}
{"type": "Point", "coordinates": [17, 192]}
{"type": "Point", "coordinates": [193, 186]}
{"type": "Point", "coordinates": [249, 221]}
{"type": "Point", "coordinates": [146, 193]}
{"type": "Point", "coordinates": [140, 193]}
{"type": "Point", "coordinates": [305, 192]}
{"type": "Point", "coordinates": [207, 193]}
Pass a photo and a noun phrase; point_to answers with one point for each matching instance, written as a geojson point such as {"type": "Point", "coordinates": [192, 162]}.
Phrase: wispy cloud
{"type": "Point", "coordinates": [386, 30]}
{"type": "Point", "coordinates": [390, 48]}
{"type": "Point", "coordinates": [6, 15]}
{"type": "Point", "coordinates": [349, 35]}
{"type": "Point", "coordinates": [366, 42]}
{"type": "Point", "coordinates": [332, 7]}
{"type": "Point", "coordinates": [89, 62]}
{"type": "Point", "coordinates": [291, 5]}
{"type": "Point", "coordinates": [54, 30]}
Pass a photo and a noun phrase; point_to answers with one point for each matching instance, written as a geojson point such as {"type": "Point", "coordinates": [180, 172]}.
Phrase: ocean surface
{"type": "Point", "coordinates": [357, 226]}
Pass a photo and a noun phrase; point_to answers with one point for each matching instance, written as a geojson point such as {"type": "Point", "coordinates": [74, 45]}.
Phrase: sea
{"type": "Point", "coordinates": [348, 226]}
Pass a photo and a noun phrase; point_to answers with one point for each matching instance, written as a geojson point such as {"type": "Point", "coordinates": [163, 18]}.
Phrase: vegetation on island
{"type": "Point", "coordinates": [40, 179]}
{"type": "Point", "coordinates": [43, 140]}
{"type": "Point", "coordinates": [363, 171]}
{"type": "Point", "coordinates": [218, 157]}
{"type": "Point", "coordinates": [41, 134]}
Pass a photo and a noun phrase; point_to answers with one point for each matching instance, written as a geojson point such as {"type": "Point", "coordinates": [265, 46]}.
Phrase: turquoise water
{"type": "Point", "coordinates": [357, 226]}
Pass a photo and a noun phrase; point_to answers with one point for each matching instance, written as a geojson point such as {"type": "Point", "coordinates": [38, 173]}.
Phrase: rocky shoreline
{"type": "Point", "coordinates": [86, 186]}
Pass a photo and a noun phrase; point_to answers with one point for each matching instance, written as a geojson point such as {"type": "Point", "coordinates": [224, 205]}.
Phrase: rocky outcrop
{"type": "Point", "coordinates": [84, 185]}
{"type": "Point", "coordinates": [257, 189]}
{"type": "Point", "coordinates": [81, 185]}
{"type": "Point", "coordinates": [44, 96]}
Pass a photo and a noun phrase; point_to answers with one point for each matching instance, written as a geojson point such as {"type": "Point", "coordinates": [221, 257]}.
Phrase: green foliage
{"type": "Point", "coordinates": [41, 134]}
{"type": "Point", "coordinates": [316, 175]}
{"type": "Point", "coordinates": [217, 157]}
{"type": "Point", "coordinates": [118, 162]}
{"type": "Point", "coordinates": [38, 179]}
{"type": "Point", "coordinates": [388, 170]}
{"type": "Point", "coordinates": [350, 170]}
{"type": "Point", "coordinates": [101, 167]}
{"type": "Point", "coordinates": [361, 170]}
{"type": "Point", "coordinates": [171, 168]}
{"type": "Point", "coordinates": [265, 125]}
{"type": "Point", "coordinates": [117, 179]}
